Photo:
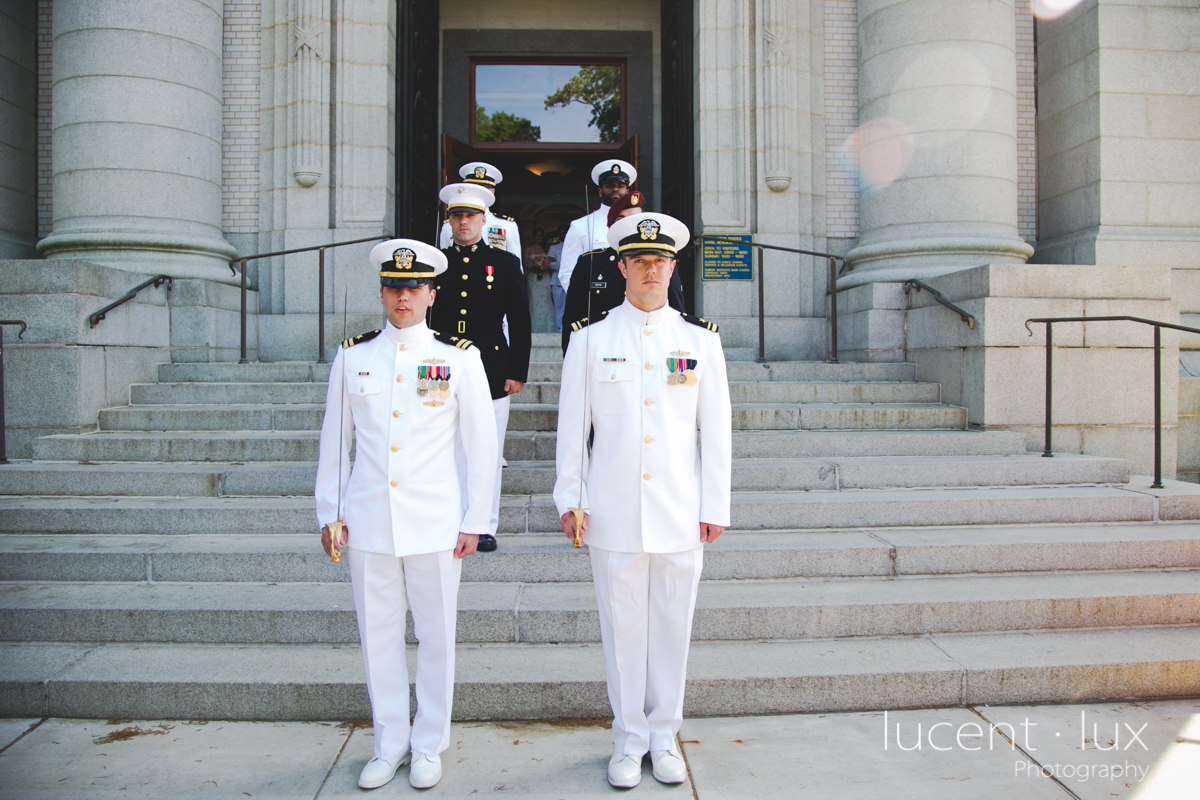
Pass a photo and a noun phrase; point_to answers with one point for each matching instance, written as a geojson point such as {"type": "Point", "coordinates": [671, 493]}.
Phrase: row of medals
{"type": "Point", "coordinates": [681, 377]}
{"type": "Point", "coordinates": [431, 386]}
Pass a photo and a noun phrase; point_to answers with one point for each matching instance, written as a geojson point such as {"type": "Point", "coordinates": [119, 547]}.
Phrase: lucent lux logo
{"type": "Point", "coordinates": [943, 736]}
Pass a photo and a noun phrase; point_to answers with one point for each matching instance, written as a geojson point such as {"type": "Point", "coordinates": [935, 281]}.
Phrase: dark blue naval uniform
{"type": "Point", "coordinates": [482, 285]}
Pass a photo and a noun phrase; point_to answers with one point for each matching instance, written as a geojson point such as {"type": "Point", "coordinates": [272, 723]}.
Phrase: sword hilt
{"type": "Point", "coordinates": [336, 541]}
{"type": "Point", "coordinates": [580, 526]}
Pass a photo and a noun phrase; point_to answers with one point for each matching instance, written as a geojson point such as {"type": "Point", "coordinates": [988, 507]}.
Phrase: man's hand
{"type": "Point", "coordinates": [513, 387]}
{"type": "Point", "coordinates": [568, 525]}
{"type": "Point", "coordinates": [709, 533]}
{"type": "Point", "coordinates": [467, 542]}
{"type": "Point", "coordinates": [325, 542]}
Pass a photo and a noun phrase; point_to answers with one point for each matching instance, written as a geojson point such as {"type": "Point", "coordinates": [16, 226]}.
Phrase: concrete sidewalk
{"type": "Point", "coordinates": [1138, 751]}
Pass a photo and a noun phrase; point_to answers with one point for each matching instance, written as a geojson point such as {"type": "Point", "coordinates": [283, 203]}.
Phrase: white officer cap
{"type": "Point", "coordinates": [480, 172]}
{"type": "Point", "coordinates": [648, 232]}
{"type": "Point", "coordinates": [466, 197]}
{"type": "Point", "coordinates": [614, 169]}
{"type": "Point", "coordinates": [406, 263]}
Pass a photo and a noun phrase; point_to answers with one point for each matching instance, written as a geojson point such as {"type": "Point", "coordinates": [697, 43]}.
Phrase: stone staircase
{"type": "Point", "coordinates": [882, 555]}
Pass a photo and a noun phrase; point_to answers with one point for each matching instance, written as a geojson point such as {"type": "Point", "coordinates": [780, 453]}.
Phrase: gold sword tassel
{"type": "Point", "coordinates": [336, 540]}
{"type": "Point", "coordinates": [580, 526]}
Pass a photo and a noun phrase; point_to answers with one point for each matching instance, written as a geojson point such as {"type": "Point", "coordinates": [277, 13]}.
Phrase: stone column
{"type": "Point", "coordinates": [937, 138]}
{"type": "Point", "coordinates": [137, 137]}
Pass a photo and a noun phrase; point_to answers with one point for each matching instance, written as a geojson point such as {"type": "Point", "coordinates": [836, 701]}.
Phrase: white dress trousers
{"type": "Point", "coordinates": [646, 486]}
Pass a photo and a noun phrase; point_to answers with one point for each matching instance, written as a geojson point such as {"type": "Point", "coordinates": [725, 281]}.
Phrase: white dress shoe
{"type": "Point", "coordinates": [624, 772]}
{"type": "Point", "coordinates": [669, 766]}
{"type": "Point", "coordinates": [379, 771]}
{"type": "Point", "coordinates": [425, 771]}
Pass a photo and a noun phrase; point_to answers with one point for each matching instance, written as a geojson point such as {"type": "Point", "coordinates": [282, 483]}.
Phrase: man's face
{"type": "Point", "coordinates": [406, 307]}
{"type": "Point", "coordinates": [466, 226]}
{"type": "Point", "coordinates": [612, 190]}
{"type": "Point", "coordinates": [647, 277]}
{"type": "Point", "coordinates": [629, 212]}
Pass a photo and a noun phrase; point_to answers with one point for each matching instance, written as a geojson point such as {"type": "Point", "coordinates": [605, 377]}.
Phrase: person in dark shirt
{"type": "Point", "coordinates": [596, 273]}
{"type": "Point", "coordinates": [481, 286]}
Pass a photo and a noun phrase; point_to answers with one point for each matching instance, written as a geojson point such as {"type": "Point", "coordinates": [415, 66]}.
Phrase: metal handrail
{"type": "Point", "coordinates": [320, 248]}
{"type": "Point", "coordinates": [918, 285]}
{"type": "Point", "coordinates": [3, 429]}
{"type": "Point", "coordinates": [1048, 452]}
{"type": "Point", "coordinates": [833, 273]}
{"type": "Point", "coordinates": [157, 280]}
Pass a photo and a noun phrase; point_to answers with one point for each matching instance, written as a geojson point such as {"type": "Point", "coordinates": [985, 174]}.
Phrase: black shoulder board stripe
{"type": "Point", "coordinates": [453, 341]}
{"type": "Point", "coordinates": [362, 337]}
{"type": "Point", "coordinates": [703, 323]}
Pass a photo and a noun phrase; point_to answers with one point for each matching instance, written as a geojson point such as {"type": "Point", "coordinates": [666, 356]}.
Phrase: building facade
{"type": "Point", "coordinates": [1023, 167]}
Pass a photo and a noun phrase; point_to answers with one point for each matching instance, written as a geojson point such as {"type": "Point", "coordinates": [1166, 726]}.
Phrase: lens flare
{"type": "Point", "coordinates": [883, 148]}
{"type": "Point", "coordinates": [1052, 9]}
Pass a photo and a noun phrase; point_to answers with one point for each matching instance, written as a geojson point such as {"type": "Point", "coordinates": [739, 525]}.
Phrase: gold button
{"type": "Point", "coordinates": [399, 379]}
{"type": "Point", "coordinates": [646, 476]}
{"type": "Point", "coordinates": [612, 377]}
{"type": "Point", "coordinates": [395, 449]}
{"type": "Point", "coordinates": [647, 331]}
{"type": "Point", "coordinates": [464, 277]}
{"type": "Point", "coordinates": [463, 311]}
{"type": "Point", "coordinates": [497, 347]}
{"type": "Point", "coordinates": [649, 439]}
{"type": "Point", "coordinates": [395, 413]}
{"type": "Point", "coordinates": [464, 294]}
{"type": "Point", "coordinates": [465, 259]}
{"type": "Point", "coordinates": [394, 483]}
{"type": "Point", "coordinates": [649, 402]}
{"type": "Point", "coordinates": [403, 347]}
{"type": "Point", "coordinates": [649, 365]}
{"type": "Point", "coordinates": [361, 389]}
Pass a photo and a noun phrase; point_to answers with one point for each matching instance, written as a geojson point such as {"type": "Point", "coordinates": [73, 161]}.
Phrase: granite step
{"type": "Point", "coordinates": [325, 682]}
{"type": "Point", "coordinates": [169, 446]}
{"type": "Point", "coordinates": [785, 392]}
{"type": "Point", "coordinates": [224, 417]}
{"type": "Point", "coordinates": [284, 392]}
{"type": "Point", "coordinates": [555, 613]}
{"type": "Point", "coordinates": [1133, 502]}
{"type": "Point", "coordinates": [183, 479]}
{"type": "Point", "coordinates": [787, 416]}
{"type": "Point", "coordinates": [544, 370]}
{"type": "Point", "coordinates": [531, 558]}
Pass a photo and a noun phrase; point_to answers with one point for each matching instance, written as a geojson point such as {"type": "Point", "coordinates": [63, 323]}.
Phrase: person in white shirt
{"type": "Point", "coordinates": [613, 178]}
{"type": "Point", "coordinates": [648, 495]}
{"type": "Point", "coordinates": [406, 393]}
{"type": "Point", "coordinates": [558, 293]}
{"type": "Point", "coordinates": [498, 231]}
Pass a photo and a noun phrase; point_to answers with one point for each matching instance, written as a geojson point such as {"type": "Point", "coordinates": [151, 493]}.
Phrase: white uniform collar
{"type": "Point", "coordinates": [640, 317]}
{"type": "Point", "coordinates": [408, 335]}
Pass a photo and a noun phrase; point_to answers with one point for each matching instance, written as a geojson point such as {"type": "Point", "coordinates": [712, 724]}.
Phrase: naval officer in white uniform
{"type": "Point", "coordinates": [645, 377]}
{"type": "Point", "coordinates": [613, 178]}
{"type": "Point", "coordinates": [405, 393]}
{"type": "Point", "coordinates": [498, 231]}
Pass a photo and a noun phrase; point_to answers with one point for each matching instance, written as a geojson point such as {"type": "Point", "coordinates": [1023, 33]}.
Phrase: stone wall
{"type": "Point", "coordinates": [1103, 386]}
{"type": "Point", "coordinates": [239, 124]}
{"type": "Point", "coordinates": [18, 129]}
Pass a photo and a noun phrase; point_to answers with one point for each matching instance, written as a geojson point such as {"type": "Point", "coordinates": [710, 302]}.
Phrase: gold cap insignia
{"type": "Point", "coordinates": [404, 258]}
{"type": "Point", "coordinates": [461, 189]}
{"type": "Point", "coordinates": [648, 228]}
{"type": "Point", "coordinates": [480, 172]}
{"type": "Point", "coordinates": [616, 170]}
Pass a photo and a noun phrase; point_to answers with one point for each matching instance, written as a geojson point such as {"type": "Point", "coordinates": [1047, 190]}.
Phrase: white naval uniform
{"type": "Point", "coordinates": [585, 235]}
{"type": "Point", "coordinates": [404, 508]}
{"type": "Point", "coordinates": [493, 226]}
{"type": "Point", "coordinates": [646, 488]}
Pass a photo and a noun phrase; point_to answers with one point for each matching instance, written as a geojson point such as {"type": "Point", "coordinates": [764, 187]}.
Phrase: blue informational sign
{"type": "Point", "coordinates": [726, 261]}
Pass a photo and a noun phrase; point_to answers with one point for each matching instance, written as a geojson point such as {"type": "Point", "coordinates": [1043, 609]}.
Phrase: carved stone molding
{"type": "Point", "coordinates": [724, 114]}
{"type": "Point", "coordinates": [779, 88]}
{"type": "Point", "coordinates": [310, 34]}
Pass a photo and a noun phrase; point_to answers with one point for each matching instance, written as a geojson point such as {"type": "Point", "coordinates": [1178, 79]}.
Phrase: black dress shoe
{"type": "Point", "coordinates": [487, 543]}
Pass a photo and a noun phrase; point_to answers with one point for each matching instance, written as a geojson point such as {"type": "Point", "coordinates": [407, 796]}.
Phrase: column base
{"type": "Point", "coordinates": [904, 259]}
{"type": "Point", "coordinates": [151, 254]}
